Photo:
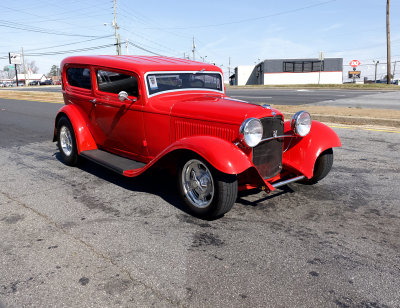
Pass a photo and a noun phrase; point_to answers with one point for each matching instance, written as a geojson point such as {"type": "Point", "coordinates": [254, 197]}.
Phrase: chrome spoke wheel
{"type": "Point", "coordinates": [66, 141]}
{"type": "Point", "coordinates": [198, 184]}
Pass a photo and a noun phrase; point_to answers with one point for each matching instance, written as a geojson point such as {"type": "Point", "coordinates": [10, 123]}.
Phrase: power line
{"type": "Point", "coordinates": [163, 47]}
{"type": "Point", "coordinates": [13, 25]}
{"type": "Point", "coordinates": [68, 51]}
{"type": "Point", "coordinates": [38, 54]}
{"type": "Point", "coordinates": [62, 45]}
{"type": "Point", "coordinates": [144, 49]}
{"type": "Point", "coordinates": [44, 18]}
{"type": "Point", "coordinates": [252, 19]}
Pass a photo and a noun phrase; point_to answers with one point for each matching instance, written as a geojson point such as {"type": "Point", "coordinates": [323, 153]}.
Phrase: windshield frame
{"type": "Point", "coordinates": [185, 89]}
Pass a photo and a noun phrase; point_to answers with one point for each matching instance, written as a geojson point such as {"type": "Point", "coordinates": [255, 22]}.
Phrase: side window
{"type": "Point", "coordinates": [79, 77]}
{"type": "Point", "coordinates": [112, 82]}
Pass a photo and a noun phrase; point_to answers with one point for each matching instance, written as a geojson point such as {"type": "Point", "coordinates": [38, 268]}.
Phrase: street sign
{"type": "Point", "coordinates": [354, 74]}
{"type": "Point", "coordinates": [15, 58]}
{"type": "Point", "coordinates": [354, 63]}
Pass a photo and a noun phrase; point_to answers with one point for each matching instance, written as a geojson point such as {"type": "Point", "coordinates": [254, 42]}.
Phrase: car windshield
{"type": "Point", "coordinates": [161, 82]}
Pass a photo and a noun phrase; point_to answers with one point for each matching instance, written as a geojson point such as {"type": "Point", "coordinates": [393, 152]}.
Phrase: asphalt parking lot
{"type": "Point", "coordinates": [87, 237]}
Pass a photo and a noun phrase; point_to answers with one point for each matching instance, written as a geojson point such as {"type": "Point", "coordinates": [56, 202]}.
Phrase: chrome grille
{"type": "Point", "coordinates": [267, 156]}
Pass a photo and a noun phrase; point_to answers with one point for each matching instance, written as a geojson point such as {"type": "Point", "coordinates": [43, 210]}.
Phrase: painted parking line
{"type": "Point", "coordinates": [249, 96]}
{"type": "Point", "coordinates": [365, 128]}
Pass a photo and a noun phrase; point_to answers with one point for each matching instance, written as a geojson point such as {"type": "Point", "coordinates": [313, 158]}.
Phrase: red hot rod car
{"type": "Point", "coordinates": [128, 113]}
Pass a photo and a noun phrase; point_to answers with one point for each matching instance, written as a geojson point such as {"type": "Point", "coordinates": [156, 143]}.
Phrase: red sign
{"type": "Point", "coordinates": [355, 63]}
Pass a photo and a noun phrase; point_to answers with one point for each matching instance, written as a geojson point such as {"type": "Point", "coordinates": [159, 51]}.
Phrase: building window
{"type": "Point", "coordinates": [318, 66]}
{"type": "Point", "coordinates": [303, 66]}
{"type": "Point", "coordinates": [307, 66]}
{"type": "Point", "coordinates": [288, 66]}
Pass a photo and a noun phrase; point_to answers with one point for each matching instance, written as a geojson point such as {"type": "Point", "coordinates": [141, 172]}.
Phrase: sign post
{"type": "Point", "coordinates": [354, 64]}
{"type": "Point", "coordinates": [15, 58]}
{"type": "Point", "coordinates": [320, 58]}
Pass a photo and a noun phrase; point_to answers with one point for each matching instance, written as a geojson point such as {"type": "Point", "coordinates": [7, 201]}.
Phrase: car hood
{"type": "Point", "coordinates": [216, 108]}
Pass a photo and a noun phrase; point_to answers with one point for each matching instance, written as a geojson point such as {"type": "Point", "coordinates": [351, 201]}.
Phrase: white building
{"type": "Point", "coordinates": [30, 77]}
{"type": "Point", "coordinates": [291, 71]}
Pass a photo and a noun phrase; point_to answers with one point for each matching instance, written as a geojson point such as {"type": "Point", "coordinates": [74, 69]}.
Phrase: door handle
{"type": "Point", "coordinates": [93, 101]}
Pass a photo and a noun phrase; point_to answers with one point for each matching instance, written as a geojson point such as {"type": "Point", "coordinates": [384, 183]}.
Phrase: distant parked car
{"type": "Point", "coordinates": [46, 82]}
{"type": "Point", "coordinates": [34, 83]}
{"type": "Point", "coordinates": [57, 82]}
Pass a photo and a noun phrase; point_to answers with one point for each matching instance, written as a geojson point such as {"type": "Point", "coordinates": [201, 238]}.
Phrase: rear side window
{"type": "Point", "coordinates": [113, 82]}
{"type": "Point", "coordinates": [79, 77]}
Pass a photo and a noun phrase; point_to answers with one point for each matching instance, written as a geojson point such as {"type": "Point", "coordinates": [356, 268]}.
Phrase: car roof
{"type": "Point", "coordinates": [141, 64]}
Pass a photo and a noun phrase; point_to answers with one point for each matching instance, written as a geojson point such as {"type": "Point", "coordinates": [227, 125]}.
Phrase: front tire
{"type": "Point", "coordinates": [67, 142]}
{"type": "Point", "coordinates": [322, 167]}
{"type": "Point", "coordinates": [206, 192]}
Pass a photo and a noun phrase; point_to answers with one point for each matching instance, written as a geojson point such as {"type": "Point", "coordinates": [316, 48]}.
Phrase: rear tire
{"type": "Point", "coordinates": [207, 192]}
{"type": "Point", "coordinates": [322, 167]}
{"type": "Point", "coordinates": [67, 142]}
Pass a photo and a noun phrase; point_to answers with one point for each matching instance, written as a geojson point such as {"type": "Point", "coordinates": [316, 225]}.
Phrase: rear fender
{"type": "Point", "coordinates": [302, 153]}
{"type": "Point", "coordinates": [79, 121]}
{"type": "Point", "coordinates": [222, 155]}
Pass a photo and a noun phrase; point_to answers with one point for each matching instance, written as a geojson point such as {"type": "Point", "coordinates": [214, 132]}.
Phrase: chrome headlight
{"type": "Point", "coordinates": [301, 123]}
{"type": "Point", "coordinates": [251, 132]}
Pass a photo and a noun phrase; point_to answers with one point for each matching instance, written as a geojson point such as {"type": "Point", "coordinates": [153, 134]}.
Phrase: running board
{"type": "Point", "coordinates": [282, 183]}
{"type": "Point", "coordinates": [111, 161]}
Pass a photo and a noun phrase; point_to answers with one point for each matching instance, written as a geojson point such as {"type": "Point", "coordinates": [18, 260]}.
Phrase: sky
{"type": "Point", "coordinates": [227, 33]}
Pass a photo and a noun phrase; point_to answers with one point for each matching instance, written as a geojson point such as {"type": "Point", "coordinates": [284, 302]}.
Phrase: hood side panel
{"type": "Point", "coordinates": [183, 128]}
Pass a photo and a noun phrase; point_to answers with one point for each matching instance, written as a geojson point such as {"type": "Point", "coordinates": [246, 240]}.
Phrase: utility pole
{"type": "Point", "coordinates": [114, 24]}
{"type": "Point", "coordinates": [394, 69]}
{"type": "Point", "coordinates": [376, 67]}
{"type": "Point", "coordinates": [126, 46]}
{"type": "Point", "coordinates": [194, 50]}
{"type": "Point", "coordinates": [389, 75]}
{"type": "Point", "coordinates": [229, 67]}
{"type": "Point", "coordinates": [23, 63]}
{"type": "Point", "coordinates": [16, 74]}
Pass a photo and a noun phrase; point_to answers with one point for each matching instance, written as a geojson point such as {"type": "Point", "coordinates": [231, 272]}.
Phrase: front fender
{"type": "Point", "coordinates": [222, 155]}
{"type": "Point", "coordinates": [302, 153]}
{"type": "Point", "coordinates": [80, 122]}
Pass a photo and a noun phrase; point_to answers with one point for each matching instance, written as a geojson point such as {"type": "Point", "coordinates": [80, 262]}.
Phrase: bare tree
{"type": "Point", "coordinates": [3, 75]}
{"type": "Point", "coordinates": [31, 66]}
{"type": "Point", "coordinates": [10, 72]}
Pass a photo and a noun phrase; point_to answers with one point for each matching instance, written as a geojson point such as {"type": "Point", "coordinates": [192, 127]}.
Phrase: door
{"type": "Point", "coordinates": [118, 124]}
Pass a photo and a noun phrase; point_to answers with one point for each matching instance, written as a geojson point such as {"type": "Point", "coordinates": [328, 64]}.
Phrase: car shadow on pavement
{"type": "Point", "coordinates": [162, 183]}
{"type": "Point", "coordinates": [265, 197]}
{"type": "Point", "coordinates": [153, 181]}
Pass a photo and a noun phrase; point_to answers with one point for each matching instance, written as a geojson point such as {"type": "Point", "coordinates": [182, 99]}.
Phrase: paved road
{"type": "Point", "coordinates": [35, 88]}
{"type": "Point", "coordinates": [87, 237]}
{"type": "Point", "coordinates": [340, 97]}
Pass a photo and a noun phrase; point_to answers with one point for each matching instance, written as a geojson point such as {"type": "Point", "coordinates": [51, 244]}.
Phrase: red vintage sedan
{"type": "Point", "coordinates": [129, 113]}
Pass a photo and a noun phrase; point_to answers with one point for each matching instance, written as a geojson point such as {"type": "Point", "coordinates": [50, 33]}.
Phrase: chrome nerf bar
{"type": "Point", "coordinates": [282, 183]}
